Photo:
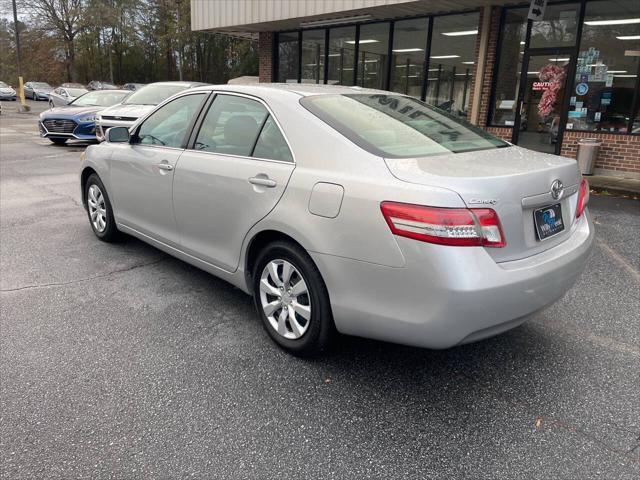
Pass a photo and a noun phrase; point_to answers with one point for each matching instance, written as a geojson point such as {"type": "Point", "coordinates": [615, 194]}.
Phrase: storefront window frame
{"type": "Point", "coordinates": [391, 22]}
{"type": "Point", "coordinates": [635, 107]}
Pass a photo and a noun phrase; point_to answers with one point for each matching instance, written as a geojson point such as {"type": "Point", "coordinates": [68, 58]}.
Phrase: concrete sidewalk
{"type": "Point", "coordinates": [614, 184]}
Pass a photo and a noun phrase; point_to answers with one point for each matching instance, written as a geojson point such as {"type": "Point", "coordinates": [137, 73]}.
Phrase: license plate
{"type": "Point", "coordinates": [548, 221]}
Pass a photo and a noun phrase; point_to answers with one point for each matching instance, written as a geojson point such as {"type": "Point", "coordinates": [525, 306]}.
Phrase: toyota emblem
{"type": "Point", "coordinates": [557, 189]}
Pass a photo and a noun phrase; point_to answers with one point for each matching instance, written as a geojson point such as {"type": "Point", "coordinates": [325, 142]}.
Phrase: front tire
{"type": "Point", "coordinates": [99, 210]}
{"type": "Point", "coordinates": [292, 299]}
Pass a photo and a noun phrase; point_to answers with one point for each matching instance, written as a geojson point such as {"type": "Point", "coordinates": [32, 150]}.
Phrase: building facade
{"type": "Point", "coordinates": [543, 84]}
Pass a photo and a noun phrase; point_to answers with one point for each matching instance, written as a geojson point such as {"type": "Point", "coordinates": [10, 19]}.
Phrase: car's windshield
{"type": "Point", "coordinates": [41, 85]}
{"type": "Point", "coordinates": [3, 85]}
{"type": "Point", "coordinates": [76, 92]}
{"type": "Point", "coordinates": [99, 98]}
{"type": "Point", "coordinates": [153, 94]}
{"type": "Point", "coordinates": [396, 126]}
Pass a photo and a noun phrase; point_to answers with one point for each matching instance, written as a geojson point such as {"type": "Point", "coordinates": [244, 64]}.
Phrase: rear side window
{"type": "Point", "coordinates": [241, 126]}
{"type": "Point", "coordinates": [271, 144]}
{"type": "Point", "coordinates": [395, 126]}
{"type": "Point", "coordinates": [168, 125]}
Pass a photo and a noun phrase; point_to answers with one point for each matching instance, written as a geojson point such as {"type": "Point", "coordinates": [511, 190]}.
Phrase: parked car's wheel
{"type": "Point", "coordinates": [58, 141]}
{"type": "Point", "coordinates": [99, 210]}
{"type": "Point", "coordinates": [292, 299]}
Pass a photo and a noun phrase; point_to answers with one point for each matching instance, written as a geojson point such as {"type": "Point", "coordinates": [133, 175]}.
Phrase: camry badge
{"type": "Point", "coordinates": [483, 201]}
{"type": "Point", "coordinates": [557, 189]}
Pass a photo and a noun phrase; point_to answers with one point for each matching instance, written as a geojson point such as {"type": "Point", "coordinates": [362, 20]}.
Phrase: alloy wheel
{"type": "Point", "coordinates": [97, 208]}
{"type": "Point", "coordinates": [285, 300]}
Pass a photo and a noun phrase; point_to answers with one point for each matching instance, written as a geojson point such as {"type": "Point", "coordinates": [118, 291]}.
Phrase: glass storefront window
{"type": "Point", "coordinates": [313, 56]}
{"type": "Point", "coordinates": [607, 68]}
{"type": "Point", "coordinates": [373, 49]}
{"type": "Point", "coordinates": [514, 32]}
{"type": "Point", "coordinates": [558, 27]}
{"type": "Point", "coordinates": [453, 47]}
{"type": "Point", "coordinates": [341, 55]}
{"type": "Point", "coordinates": [288, 57]}
{"type": "Point", "coordinates": [407, 61]}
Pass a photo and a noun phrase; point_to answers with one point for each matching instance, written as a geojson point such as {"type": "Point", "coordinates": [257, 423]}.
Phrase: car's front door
{"type": "Point", "coordinates": [142, 170]}
{"type": "Point", "coordinates": [233, 174]}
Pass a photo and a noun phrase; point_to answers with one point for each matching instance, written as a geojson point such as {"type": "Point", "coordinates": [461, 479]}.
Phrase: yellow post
{"type": "Point", "coordinates": [23, 104]}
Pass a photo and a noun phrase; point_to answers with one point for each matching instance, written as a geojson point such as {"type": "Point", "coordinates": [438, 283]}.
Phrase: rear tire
{"type": "Point", "coordinates": [99, 210]}
{"type": "Point", "coordinates": [292, 299]}
{"type": "Point", "coordinates": [58, 141]}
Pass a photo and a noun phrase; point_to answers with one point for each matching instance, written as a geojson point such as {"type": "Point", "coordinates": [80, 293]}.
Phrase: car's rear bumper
{"type": "Point", "coordinates": [445, 296]}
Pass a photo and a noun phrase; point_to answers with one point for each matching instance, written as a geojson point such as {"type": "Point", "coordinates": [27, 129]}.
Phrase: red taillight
{"type": "Point", "coordinates": [445, 226]}
{"type": "Point", "coordinates": [583, 197]}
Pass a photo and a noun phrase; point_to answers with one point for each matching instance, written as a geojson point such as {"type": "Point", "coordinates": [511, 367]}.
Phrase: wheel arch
{"type": "Point", "coordinates": [257, 243]}
{"type": "Point", "coordinates": [84, 176]}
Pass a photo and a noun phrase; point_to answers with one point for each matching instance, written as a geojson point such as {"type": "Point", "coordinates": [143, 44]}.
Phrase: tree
{"type": "Point", "coordinates": [63, 18]}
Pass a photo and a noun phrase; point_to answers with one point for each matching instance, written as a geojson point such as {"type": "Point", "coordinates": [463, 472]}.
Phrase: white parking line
{"type": "Point", "coordinates": [619, 259]}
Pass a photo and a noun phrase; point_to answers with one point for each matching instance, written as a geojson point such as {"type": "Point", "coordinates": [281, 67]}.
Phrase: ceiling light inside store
{"type": "Point", "coordinates": [444, 56]}
{"type": "Point", "coordinates": [622, 21]}
{"type": "Point", "coordinates": [366, 40]}
{"type": "Point", "coordinates": [629, 37]}
{"type": "Point", "coordinates": [406, 50]}
{"type": "Point", "coordinates": [468, 63]}
{"type": "Point", "coordinates": [625, 76]}
{"type": "Point", "coordinates": [461, 33]}
{"type": "Point", "coordinates": [559, 59]}
{"type": "Point", "coordinates": [616, 71]}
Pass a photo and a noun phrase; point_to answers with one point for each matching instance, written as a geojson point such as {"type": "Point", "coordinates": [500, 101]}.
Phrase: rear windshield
{"type": "Point", "coordinates": [395, 126]}
{"type": "Point", "coordinates": [153, 94]}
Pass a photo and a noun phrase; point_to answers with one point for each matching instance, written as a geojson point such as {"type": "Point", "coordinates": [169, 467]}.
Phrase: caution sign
{"type": "Point", "coordinates": [536, 9]}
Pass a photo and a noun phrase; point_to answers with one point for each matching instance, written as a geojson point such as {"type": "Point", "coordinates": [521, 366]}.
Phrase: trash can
{"type": "Point", "coordinates": [587, 154]}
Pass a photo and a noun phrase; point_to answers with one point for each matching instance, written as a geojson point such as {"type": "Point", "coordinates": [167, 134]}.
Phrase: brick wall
{"type": "Point", "coordinates": [490, 59]}
{"type": "Point", "coordinates": [265, 56]}
{"type": "Point", "coordinates": [501, 132]}
{"type": "Point", "coordinates": [620, 153]}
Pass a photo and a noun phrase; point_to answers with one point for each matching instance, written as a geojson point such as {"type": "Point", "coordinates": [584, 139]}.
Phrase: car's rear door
{"type": "Point", "coordinates": [142, 171]}
{"type": "Point", "coordinates": [234, 172]}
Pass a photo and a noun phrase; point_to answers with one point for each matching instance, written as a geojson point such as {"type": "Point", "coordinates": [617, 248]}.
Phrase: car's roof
{"type": "Point", "coordinates": [300, 89]}
{"type": "Point", "coordinates": [110, 90]}
{"type": "Point", "coordinates": [177, 84]}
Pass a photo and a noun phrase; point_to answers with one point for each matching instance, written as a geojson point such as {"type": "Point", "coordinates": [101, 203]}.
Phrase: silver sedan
{"type": "Point", "coordinates": [346, 210]}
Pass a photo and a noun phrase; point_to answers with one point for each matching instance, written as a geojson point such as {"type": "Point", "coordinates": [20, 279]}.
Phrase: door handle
{"type": "Point", "coordinates": [165, 166]}
{"type": "Point", "coordinates": [263, 182]}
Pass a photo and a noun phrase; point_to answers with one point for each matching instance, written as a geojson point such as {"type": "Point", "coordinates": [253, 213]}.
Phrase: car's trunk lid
{"type": "Point", "coordinates": [513, 181]}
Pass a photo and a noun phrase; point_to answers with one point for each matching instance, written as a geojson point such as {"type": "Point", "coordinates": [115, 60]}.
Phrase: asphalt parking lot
{"type": "Point", "coordinates": [118, 361]}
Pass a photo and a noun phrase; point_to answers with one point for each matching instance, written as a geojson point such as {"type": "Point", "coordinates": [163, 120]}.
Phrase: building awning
{"type": "Point", "coordinates": [248, 17]}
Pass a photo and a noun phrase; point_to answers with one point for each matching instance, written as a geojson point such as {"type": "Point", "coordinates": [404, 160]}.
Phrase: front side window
{"type": "Point", "coordinates": [168, 125]}
{"type": "Point", "coordinates": [395, 126]}
{"type": "Point", "coordinates": [452, 55]}
{"type": "Point", "coordinates": [602, 91]}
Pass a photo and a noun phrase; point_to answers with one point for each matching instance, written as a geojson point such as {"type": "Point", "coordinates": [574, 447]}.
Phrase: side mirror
{"type": "Point", "coordinates": [118, 135]}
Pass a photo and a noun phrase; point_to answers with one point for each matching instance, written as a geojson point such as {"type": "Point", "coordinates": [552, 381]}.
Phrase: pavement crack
{"type": "Point", "coordinates": [71, 282]}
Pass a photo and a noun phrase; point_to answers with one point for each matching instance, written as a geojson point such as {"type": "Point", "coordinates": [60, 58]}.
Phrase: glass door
{"type": "Point", "coordinates": [541, 113]}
